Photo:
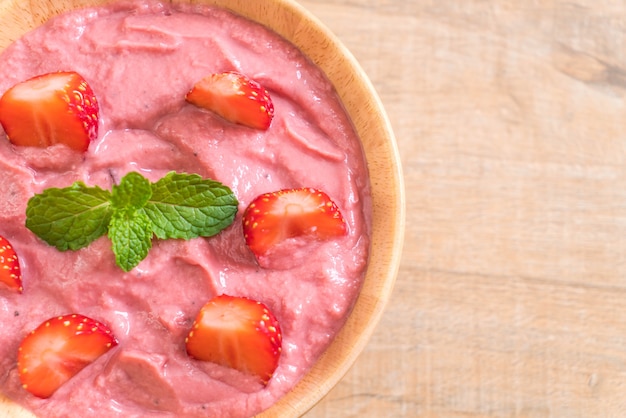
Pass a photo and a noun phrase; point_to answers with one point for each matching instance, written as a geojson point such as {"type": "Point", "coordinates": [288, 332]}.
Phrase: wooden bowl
{"type": "Point", "coordinates": [363, 105]}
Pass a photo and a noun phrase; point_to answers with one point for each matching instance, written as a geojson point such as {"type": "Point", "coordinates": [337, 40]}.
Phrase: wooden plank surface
{"type": "Point", "coordinates": [510, 119]}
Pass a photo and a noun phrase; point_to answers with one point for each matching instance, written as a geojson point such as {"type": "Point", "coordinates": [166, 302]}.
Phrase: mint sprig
{"type": "Point", "coordinates": [178, 206]}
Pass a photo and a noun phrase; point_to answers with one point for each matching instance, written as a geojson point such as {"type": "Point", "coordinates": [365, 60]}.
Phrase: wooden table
{"type": "Point", "coordinates": [510, 119]}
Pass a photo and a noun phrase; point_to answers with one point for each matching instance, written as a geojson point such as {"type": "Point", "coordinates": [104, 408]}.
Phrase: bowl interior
{"type": "Point", "coordinates": [362, 103]}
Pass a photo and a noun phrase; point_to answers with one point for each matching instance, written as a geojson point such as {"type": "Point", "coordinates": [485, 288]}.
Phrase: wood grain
{"type": "Point", "coordinates": [510, 121]}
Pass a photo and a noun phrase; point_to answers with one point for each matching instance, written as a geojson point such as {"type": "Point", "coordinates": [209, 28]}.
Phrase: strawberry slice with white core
{"type": "Point", "coordinates": [274, 217]}
{"type": "Point", "coordinates": [58, 349]}
{"type": "Point", "coordinates": [10, 272]}
{"type": "Point", "coordinates": [239, 333]}
{"type": "Point", "coordinates": [234, 97]}
{"type": "Point", "coordinates": [49, 109]}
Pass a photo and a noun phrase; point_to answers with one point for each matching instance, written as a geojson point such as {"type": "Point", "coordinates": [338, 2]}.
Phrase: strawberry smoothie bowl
{"type": "Point", "coordinates": [202, 209]}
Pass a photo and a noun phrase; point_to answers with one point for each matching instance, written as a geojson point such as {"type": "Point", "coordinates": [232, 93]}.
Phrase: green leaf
{"type": "Point", "coordinates": [181, 206]}
{"type": "Point", "coordinates": [69, 218]}
{"type": "Point", "coordinates": [185, 206]}
{"type": "Point", "coordinates": [131, 236]}
{"type": "Point", "coordinates": [132, 193]}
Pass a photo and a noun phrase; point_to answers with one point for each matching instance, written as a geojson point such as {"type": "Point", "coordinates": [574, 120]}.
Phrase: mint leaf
{"type": "Point", "coordinates": [186, 206]}
{"type": "Point", "coordinates": [181, 206]}
{"type": "Point", "coordinates": [130, 233]}
{"type": "Point", "coordinates": [132, 193]}
{"type": "Point", "coordinates": [69, 218]}
{"type": "Point", "coordinates": [130, 229]}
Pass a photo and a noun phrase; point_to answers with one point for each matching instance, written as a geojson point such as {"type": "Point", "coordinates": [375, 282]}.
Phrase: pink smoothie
{"type": "Point", "coordinates": [141, 58]}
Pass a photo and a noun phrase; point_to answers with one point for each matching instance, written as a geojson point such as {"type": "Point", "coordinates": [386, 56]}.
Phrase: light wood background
{"type": "Point", "coordinates": [510, 119]}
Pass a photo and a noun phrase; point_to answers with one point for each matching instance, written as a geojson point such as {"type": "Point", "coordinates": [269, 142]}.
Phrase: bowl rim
{"type": "Point", "coordinates": [297, 24]}
{"type": "Point", "coordinates": [308, 392]}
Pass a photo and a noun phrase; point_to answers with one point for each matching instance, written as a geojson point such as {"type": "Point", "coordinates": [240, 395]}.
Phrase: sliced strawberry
{"type": "Point", "coordinates": [58, 349]}
{"type": "Point", "coordinates": [49, 109]}
{"type": "Point", "coordinates": [239, 333]}
{"type": "Point", "coordinates": [10, 273]}
{"type": "Point", "coordinates": [274, 217]}
{"type": "Point", "coordinates": [234, 97]}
